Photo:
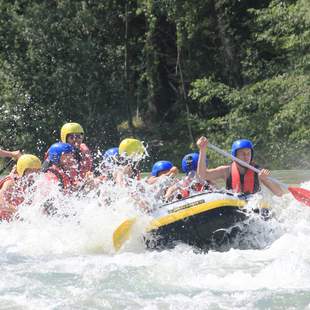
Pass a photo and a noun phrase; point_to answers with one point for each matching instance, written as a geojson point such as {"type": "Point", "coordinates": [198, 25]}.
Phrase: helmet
{"type": "Point", "coordinates": [57, 149]}
{"type": "Point", "coordinates": [241, 144]}
{"type": "Point", "coordinates": [161, 166]}
{"type": "Point", "coordinates": [27, 161]}
{"type": "Point", "coordinates": [190, 162]}
{"type": "Point", "coordinates": [70, 128]}
{"type": "Point", "coordinates": [111, 154]}
{"type": "Point", "coordinates": [131, 147]}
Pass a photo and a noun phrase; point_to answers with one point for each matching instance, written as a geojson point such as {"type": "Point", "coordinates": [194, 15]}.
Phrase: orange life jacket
{"type": "Point", "coordinates": [247, 183]}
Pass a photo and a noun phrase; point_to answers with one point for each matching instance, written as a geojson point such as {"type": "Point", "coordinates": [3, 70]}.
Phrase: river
{"type": "Point", "coordinates": [69, 263]}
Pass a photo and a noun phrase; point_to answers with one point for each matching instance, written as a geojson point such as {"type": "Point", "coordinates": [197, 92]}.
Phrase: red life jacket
{"type": "Point", "coordinates": [196, 187]}
{"type": "Point", "coordinates": [57, 174]}
{"type": "Point", "coordinates": [7, 178]}
{"type": "Point", "coordinates": [6, 214]}
{"type": "Point", "coordinates": [85, 162]}
{"type": "Point", "coordinates": [84, 159]}
{"type": "Point", "coordinates": [14, 196]}
{"type": "Point", "coordinates": [249, 184]}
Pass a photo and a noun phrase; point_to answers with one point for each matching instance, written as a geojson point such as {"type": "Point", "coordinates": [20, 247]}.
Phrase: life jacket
{"type": "Point", "coordinates": [239, 183]}
{"type": "Point", "coordinates": [55, 173]}
{"type": "Point", "coordinates": [85, 161]}
{"type": "Point", "coordinates": [15, 195]}
{"type": "Point", "coordinates": [83, 157]}
{"type": "Point", "coordinates": [7, 178]}
{"type": "Point", "coordinates": [103, 178]}
{"type": "Point", "coordinates": [196, 187]}
{"type": "Point", "coordinates": [6, 214]}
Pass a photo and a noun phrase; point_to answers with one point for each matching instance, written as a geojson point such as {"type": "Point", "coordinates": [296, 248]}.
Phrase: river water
{"type": "Point", "coordinates": [69, 262]}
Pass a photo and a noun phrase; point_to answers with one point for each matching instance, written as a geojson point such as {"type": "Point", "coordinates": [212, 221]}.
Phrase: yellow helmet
{"type": "Point", "coordinates": [27, 161]}
{"type": "Point", "coordinates": [131, 147]}
{"type": "Point", "coordinates": [70, 128]}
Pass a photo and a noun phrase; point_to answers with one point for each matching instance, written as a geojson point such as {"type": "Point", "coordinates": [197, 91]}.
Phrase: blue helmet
{"type": "Point", "coordinates": [241, 144]}
{"type": "Point", "coordinates": [161, 166]}
{"type": "Point", "coordinates": [111, 153]}
{"type": "Point", "coordinates": [57, 149]}
{"type": "Point", "coordinates": [190, 162]}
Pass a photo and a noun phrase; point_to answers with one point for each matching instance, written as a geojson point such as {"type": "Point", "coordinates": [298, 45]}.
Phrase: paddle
{"type": "Point", "coordinates": [122, 233]}
{"type": "Point", "coordinates": [300, 194]}
{"type": "Point", "coordinates": [7, 165]}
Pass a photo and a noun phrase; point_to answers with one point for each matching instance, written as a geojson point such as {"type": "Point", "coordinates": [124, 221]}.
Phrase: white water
{"type": "Point", "coordinates": [69, 263]}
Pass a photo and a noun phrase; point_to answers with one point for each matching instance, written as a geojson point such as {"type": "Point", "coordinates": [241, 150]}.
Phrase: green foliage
{"type": "Point", "coordinates": [280, 40]}
{"type": "Point", "coordinates": [165, 71]}
{"type": "Point", "coordinates": [56, 69]}
{"type": "Point", "coordinates": [273, 113]}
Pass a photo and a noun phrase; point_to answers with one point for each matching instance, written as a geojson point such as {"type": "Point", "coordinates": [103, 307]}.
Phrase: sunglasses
{"type": "Point", "coordinates": [189, 161]}
{"type": "Point", "coordinates": [75, 136]}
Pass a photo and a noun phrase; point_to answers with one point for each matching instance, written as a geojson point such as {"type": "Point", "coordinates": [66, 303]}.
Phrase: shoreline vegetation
{"type": "Point", "coordinates": [164, 71]}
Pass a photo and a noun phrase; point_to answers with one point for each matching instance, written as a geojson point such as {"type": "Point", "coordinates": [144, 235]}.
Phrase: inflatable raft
{"type": "Point", "coordinates": [206, 221]}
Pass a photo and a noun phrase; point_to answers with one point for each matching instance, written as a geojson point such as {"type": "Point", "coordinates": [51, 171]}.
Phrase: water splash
{"type": "Point", "coordinates": [84, 224]}
{"type": "Point", "coordinates": [68, 261]}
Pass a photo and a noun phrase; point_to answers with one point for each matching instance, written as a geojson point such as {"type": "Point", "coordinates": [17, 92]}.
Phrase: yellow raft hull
{"type": "Point", "coordinates": [206, 221]}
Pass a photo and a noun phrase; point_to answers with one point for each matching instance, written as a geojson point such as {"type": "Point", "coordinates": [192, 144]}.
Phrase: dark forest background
{"type": "Point", "coordinates": [164, 71]}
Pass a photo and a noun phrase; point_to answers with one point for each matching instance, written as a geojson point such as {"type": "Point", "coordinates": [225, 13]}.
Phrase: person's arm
{"type": "Point", "coordinates": [215, 174]}
{"type": "Point", "coordinates": [272, 186]}
{"type": "Point", "coordinates": [202, 168]}
{"type": "Point", "coordinates": [152, 180]}
{"type": "Point", "coordinates": [14, 154]}
{"type": "Point", "coordinates": [202, 171]}
{"type": "Point", "coordinates": [170, 191]}
{"type": "Point", "coordinates": [171, 173]}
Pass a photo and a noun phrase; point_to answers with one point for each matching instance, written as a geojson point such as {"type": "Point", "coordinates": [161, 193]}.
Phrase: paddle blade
{"type": "Point", "coordinates": [301, 194]}
{"type": "Point", "coordinates": [122, 233]}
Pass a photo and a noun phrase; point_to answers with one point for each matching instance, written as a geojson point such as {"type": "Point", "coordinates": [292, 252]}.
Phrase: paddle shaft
{"type": "Point", "coordinates": [242, 163]}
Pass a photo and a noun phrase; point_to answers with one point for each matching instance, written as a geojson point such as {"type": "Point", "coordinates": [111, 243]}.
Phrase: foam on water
{"type": "Point", "coordinates": [81, 224]}
{"type": "Point", "coordinates": [68, 261]}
